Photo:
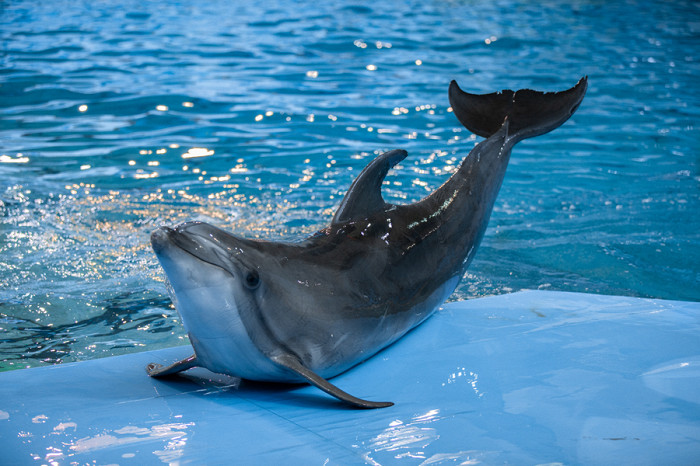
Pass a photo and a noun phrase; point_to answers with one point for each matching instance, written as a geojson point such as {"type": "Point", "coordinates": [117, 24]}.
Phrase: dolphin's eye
{"type": "Point", "coordinates": [252, 279]}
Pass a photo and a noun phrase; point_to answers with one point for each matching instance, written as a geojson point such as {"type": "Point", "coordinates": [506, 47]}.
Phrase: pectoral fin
{"type": "Point", "coordinates": [293, 364]}
{"type": "Point", "coordinates": [158, 370]}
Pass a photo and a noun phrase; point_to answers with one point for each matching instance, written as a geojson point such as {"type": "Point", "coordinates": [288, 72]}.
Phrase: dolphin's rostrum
{"type": "Point", "coordinates": [307, 311]}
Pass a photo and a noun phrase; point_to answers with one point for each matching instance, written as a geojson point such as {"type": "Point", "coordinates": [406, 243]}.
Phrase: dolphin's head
{"type": "Point", "coordinates": [214, 278]}
{"type": "Point", "coordinates": [211, 273]}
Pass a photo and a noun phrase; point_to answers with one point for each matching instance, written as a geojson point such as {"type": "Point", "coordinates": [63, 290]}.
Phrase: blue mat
{"type": "Point", "coordinates": [527, 378]}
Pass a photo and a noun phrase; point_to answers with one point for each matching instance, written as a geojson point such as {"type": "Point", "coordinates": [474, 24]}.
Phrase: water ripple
{"type": "Point", "coordinates": [119, 117]}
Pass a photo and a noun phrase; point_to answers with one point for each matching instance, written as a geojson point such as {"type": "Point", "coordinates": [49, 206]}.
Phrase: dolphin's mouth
{"type": "Point", "coordinates": [197, 240]}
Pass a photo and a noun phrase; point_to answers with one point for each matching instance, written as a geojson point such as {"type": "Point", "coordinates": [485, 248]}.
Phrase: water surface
{"type": "Point", "coordinates": [118, 117]}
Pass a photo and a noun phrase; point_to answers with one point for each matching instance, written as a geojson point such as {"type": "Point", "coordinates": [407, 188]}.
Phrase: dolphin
{"type": "Point", "coordinates": [307, 311]}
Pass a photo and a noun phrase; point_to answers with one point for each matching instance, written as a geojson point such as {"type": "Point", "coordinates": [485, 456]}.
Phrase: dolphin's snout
{"type": "Point", "coordinates": [160, 233]}
{"type": "Point", "coordinates": [199, 240]}
{"type": "Point", "coordinates": [160, 238]}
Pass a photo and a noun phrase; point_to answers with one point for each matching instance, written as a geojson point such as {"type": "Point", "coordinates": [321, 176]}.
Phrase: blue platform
{"type": "Point", "coordinates": [528, 378]}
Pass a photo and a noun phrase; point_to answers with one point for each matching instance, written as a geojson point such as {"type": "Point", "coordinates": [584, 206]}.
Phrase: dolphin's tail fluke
{"type": "Point", "coordinates": [530, 113]}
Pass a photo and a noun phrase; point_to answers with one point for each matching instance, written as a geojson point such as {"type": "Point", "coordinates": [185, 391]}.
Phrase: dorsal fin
{"type": "Point", "coordinates": [365, 194]}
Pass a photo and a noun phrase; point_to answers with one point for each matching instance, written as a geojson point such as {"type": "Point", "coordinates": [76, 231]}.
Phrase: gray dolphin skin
{"type": "Point", "coordinates": [308, 311]}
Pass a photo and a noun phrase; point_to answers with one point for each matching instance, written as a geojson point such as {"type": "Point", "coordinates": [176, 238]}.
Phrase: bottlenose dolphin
{"type": "Point", "coordinates": [307, 311]}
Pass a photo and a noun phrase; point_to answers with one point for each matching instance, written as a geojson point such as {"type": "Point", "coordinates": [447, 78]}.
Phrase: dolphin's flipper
{"type": "Point", "coordinates": [365, 194]}
{"type": "Point", "coordinates": [158, 370]}
{"type": "Point", "coordinates": [293, 364]}
{"type": "Point", "coordinates": [531, 113]}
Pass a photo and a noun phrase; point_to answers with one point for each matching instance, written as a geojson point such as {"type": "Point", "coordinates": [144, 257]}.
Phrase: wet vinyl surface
{"type": "Point", "coordinates": [118, 117]}
{"type": "Point", "coordinates": [526, 378]}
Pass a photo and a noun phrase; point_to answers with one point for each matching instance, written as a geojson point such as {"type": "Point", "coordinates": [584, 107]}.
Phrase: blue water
{"type": "Point", "coordinates": [117, 117]}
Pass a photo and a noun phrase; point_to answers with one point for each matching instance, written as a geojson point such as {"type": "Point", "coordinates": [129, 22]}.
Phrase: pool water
{"type": "Point", "coordinates": [118, 117]}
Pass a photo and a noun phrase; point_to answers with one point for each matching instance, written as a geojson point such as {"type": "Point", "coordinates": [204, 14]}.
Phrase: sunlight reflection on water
{"type": "Point", "coordinates": [123, 119]}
